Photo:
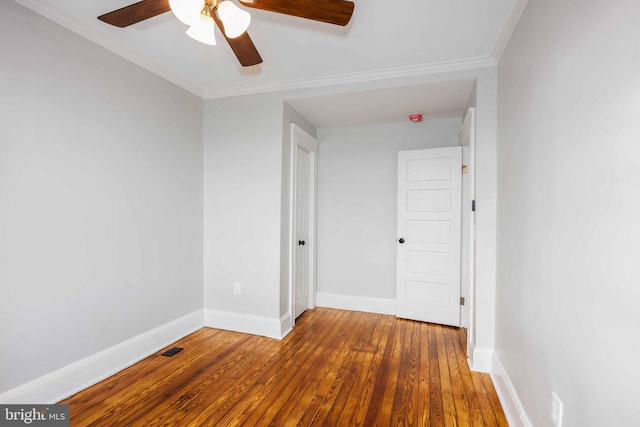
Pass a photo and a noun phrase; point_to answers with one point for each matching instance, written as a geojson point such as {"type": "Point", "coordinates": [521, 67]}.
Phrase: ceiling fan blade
{"type": "Point", "coordinates": [135, 13]}
{"type": "Point", "coordinates": [336, 12]}
{"type": "Point", "coordinates": [242, 46]}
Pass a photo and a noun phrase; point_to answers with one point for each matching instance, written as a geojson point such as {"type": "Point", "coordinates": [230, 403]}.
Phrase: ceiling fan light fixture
{"type": "Point", "coordinates": [187, 11]}
{"type": "Point", "coordinates": [235, 20]}
{"type": "Point", "coordinates": [203, 30]}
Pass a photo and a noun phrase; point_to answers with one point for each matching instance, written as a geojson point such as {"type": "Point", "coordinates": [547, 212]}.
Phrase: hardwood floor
{"type": "Point", "coordinates": [337, 368]}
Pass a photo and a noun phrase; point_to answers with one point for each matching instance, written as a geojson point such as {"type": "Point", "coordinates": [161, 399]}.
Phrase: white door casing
{"type": "Point", "coordinates": [467, 139]}
{"type": "Point", "coordinates": [301, 265]}
{"type": "Point", "coordinates": [464, 235]}
{"type": "Point", "coordinates": [428, 246]}
{"type": "Point", "coordinates": [302, 257]}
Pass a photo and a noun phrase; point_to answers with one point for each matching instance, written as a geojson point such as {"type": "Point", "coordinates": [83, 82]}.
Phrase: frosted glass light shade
{"type": "Point", "coordinates": [203, 30]}
{"type": "Point", "coordinates": [188, 11]}
{"type": "Point", "coordinates": [235, 20]}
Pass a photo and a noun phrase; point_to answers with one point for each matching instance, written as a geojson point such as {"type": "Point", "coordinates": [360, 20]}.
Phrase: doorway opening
{"type": "Point", "coordinates": [302, 244]}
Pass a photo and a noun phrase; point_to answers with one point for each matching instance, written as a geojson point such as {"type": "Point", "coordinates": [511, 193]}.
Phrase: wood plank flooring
{"type": "Point", "coordinates": [337, 368]}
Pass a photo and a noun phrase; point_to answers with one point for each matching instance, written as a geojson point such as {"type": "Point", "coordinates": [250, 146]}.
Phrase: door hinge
{"type": "Point", "coordinates": [461, 300]}
{"type": "Point", "coordinates": [464, 168]}
{"type": "Point", "coordinates": [473, 206]}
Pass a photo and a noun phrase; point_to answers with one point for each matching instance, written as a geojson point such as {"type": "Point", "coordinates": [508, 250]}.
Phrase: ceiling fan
{"type": "Point", "coordinates": [232, 21]}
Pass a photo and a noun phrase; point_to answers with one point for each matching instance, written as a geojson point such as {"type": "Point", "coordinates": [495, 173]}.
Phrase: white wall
{"type": "Point", "coordinates": [486, 199]}
{"type": "Point", "coordinates": [100, 198]}
{"type": "Point", "coordinates": [242, 155]}
{"type": "Point", "coordinates": [246, 200]}
{"type": "Point", "coordinates": [357, 202]}
{"type": "Point", "coordinates": [569, 211]}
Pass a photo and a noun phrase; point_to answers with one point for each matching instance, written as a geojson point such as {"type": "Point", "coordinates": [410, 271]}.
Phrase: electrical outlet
{"type": "Point", "coordinates": [237, 288]}
{"type": "Point", "coordinates": [556, 410]}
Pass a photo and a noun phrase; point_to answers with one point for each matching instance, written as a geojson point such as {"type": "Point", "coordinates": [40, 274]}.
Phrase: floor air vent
{"type": "Point", "coordinates": [172, 351]}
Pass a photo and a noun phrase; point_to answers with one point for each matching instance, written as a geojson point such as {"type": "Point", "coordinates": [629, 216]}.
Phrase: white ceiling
{"type": "Point", "coordinates": [432, 100]}
{"type": "Point", "coordinates": [382, 38]}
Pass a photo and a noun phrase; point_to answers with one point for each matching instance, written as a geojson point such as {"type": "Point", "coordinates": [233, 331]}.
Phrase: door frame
{"type": "Point", "coordinates": [300, 138]}
{"type": "Point", "coordinates": [468, 276]}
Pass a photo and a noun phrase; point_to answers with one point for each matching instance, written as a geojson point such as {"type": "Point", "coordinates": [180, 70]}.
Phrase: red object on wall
{"type": "Point", "coordinates": [415, 118]}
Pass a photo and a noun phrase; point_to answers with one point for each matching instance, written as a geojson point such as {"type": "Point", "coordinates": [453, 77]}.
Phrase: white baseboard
{"type": "Point", "coordinates": [286, 325]}
{"type": "Point", "coordinates": [511, 404]}
{"type": "Point", "coordinates": [348, 302]}
{"type": "Point", "coordinates": [246, 323]}
{"type": "Point", "coordinates": [471, 346]}
{"type": "Point", "coordinates": [482, 359]}
{"type": "Point", "coordinates": [79, 375]}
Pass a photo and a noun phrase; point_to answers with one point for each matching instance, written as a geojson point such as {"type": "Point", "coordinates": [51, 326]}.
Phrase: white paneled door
{"type": "Point", "coordinates": [428, 245]}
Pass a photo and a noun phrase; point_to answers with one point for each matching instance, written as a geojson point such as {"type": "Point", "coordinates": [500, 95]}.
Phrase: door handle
{"type": "Point", "coordinates": [401, 240]}
{"type": "Point", "coordinates": [301, 242]}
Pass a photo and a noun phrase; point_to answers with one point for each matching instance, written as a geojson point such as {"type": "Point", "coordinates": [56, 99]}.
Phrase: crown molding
{"type": "Point", "coordinates": [359, 77]}
{"type": "Point", "coordinates": [507, 30]}
{"type": "Point", "coordinates": [74, 24]}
